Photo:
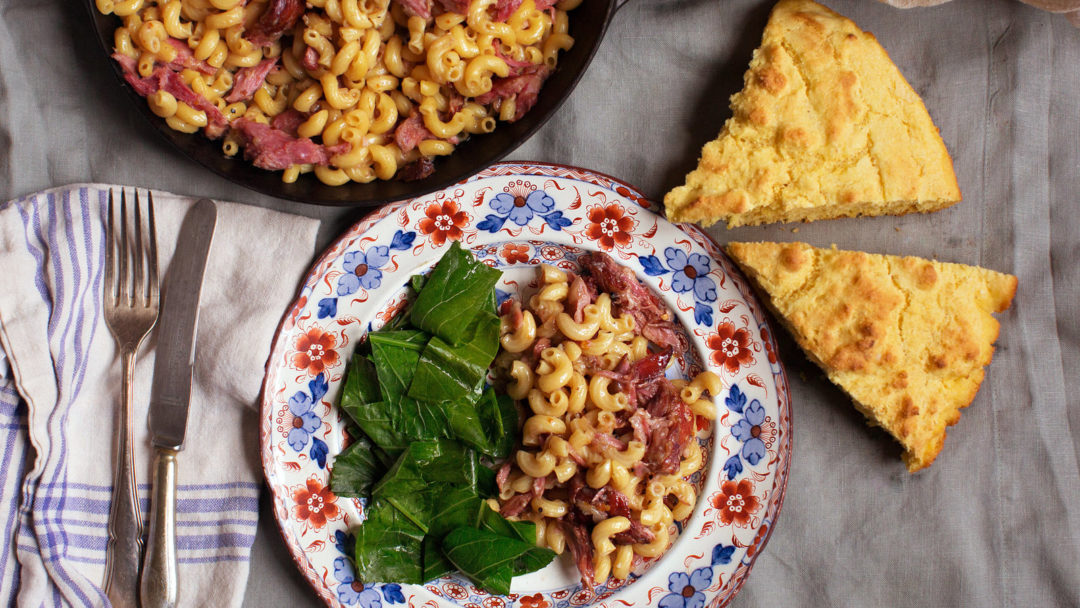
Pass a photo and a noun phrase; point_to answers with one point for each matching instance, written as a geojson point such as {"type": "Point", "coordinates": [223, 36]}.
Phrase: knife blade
{"type": "Point", "coordinates": [175, 358]}
{"type": "Point", "coordinates": [170, 395]}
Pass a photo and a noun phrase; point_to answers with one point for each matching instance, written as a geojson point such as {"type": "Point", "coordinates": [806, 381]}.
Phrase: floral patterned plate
{"type": "Point", "coordinates": [514, 217]}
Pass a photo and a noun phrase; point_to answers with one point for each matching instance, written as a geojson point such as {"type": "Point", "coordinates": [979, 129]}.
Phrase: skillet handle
{"type": "Point", "coordinates": [616, 6]}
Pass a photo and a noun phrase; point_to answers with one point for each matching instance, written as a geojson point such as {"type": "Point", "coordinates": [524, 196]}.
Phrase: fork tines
{"type": "Point", "coordinates": [136, 286]}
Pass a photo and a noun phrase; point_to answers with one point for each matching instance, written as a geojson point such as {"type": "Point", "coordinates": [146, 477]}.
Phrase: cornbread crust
{"type": "Point", "coordinates": [825, 127]}
{"type": "Point", "coordinates": [907, 338]}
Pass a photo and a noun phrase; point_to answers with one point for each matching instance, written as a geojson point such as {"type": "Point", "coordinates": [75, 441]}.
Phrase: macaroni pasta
{"type": "Point", "coordinates": [412, 86]}
{"type": "Point", "coordinates": [587, 459]}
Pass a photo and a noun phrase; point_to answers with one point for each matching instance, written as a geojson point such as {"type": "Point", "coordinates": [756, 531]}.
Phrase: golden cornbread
{"type": "Point", "coordinates": [825, 127]}
{"type": "Point", "coordinates": [907, 338]}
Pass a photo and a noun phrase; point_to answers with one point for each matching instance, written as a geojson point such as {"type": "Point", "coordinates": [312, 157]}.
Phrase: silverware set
{"type": "Point", "coordinates": [131, 304]}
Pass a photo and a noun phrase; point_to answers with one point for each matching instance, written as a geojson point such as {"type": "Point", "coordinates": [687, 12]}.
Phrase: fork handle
{"type": "Point", "coordinates": [159, 586]}
{"type": "Point", "coordinates": [124, 548]}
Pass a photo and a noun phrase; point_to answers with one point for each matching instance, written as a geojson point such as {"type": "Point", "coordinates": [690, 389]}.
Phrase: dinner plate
{"type": "Point", "coordinates": [515, 216]}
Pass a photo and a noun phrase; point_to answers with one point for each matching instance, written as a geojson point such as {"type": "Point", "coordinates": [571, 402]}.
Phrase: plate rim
{"type": "Point", "coordinates": [634, 194]}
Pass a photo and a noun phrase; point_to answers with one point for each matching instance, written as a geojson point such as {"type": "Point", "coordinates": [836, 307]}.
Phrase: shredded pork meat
{"type": "Point", "coordinates": [248, 80]}
{"type": "Point", "coordinates": [278, 17]}
{"type": "Point", "coordinates": [270, 148]}
{"type": "Point", "coordinates": [633, 298]}
{"type": "Point", "coordinates": [656, 416]}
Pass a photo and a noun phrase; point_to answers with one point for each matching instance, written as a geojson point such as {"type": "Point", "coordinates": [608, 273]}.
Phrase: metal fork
{"type": "Point", "coordinates": [131, 310]}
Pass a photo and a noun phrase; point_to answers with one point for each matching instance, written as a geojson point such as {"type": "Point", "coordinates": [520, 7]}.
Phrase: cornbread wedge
{"type": "Point", "coordinates": [907, 338]}
{"type": "Point", "coordinates": [825, 127]}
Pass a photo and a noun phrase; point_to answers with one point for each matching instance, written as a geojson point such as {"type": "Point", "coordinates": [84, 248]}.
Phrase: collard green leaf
{"type": "Point", "coordinates": [377, 422]}
{"type": "Point", "coordinates": [521, 530]}
{"type": "Point", "coordinates": [446, 372]}
{"type": "Point", "coordinates": [460, 507]}
{"type": "Point", "coordinates": [398, 321]}
{"type": "Point", "coordinates": [456, 290]}
{"type": "Point", "coordinates": [424, 475]}
{"type": "Point", "coordinates": [393, 427]}
{"type": "Point", "coordinates": [465, 422]}
{"type": "Point", "coordinates": [362, 401]}
{"type": "Point", "coordinates": [485, 479]}
{"type": "Point", "coordinates": [417, 282]}
{"type": "Point", "coordinates": [355, 470]}
{"type": "Point", "coordinates": [361, 383]}
{"type": "Point", "coordinates": [499, 418]}
{"type": "Point", "coordinates": [435, 563]}
{"type": "Point", "coordinates": [396, 354]}
{"type": "Point", "coordinates": [401, 419]}
{"type": "Point", "coordinates": [388, 547]}
{"type": "Point", "coordinates": [491, 560]}
{"type": "Point", "coordinates": [427, 462]}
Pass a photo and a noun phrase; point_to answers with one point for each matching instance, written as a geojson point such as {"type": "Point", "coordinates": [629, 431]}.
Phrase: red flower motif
{"type": "Point", "coordinates": [731, 347]}
{"type": "Point", "coordinates": [736, 502]}
{"type": "Point", "coordinates": [768, 346]}
{"type": "Point", "coordinates": [551, 253]}
{"type": "Point", "coordinates": [314, 351]}
{"type": "Point", "coordinates": [315, 504]}
{"type": "Point", "coordinates": [515, 253]}
{"type": "Point", "coordinates": [609, 227]}
{"type": "Point", "coordinates": [443, 221]}
{"type": "Point", "coordinates": [535, 600]}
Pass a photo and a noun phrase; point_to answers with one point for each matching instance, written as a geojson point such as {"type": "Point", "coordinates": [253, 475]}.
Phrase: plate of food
{"type": "Point", "coordinates": [349, 102]}
{"type": "Point", "coordinates": [526, 389]}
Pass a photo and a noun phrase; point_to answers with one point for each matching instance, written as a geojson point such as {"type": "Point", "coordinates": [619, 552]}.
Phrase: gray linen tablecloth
{"type": "Point", "coordinates": [995, 521]}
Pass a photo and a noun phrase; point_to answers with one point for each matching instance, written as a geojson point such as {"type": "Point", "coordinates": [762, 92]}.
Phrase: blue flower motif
{"type": "Point", "coordinates": [686, 589]}
{"type": "Point", "coordinates": [352, 591]}
{"type": "Point", "coordinates": [402, 240]}
{"type": "Point", "coordinates": [392, 594]}
{"type": "Point", "coordinates": [722, 554]}
{"type": "Point", "coordinates": [362, 269]}
{"type": "Point", "coordinates": [733, 466]}
{"type": "Point", "coordinates": [736, 399]}
{"type": "Point", "coordinates": [703, 313]}
{"type": "Point", "coordinates": [521, 210]}
{"type": "Point", "coordinates": [345, 543]}
{"type": "Point", "coordinates": [748, 431]}
{"type": "Point", "coordinates": [327, 308]}
{"type": "Point", "coordinates": [691, 274]}
{"type": "Point", "coordinates": [304, 422]}
{"type": "Point", "coordinates": [557, 221]}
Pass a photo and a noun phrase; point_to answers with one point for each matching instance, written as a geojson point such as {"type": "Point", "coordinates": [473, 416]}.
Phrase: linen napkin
{"type": "Point", "coordinates": [1070, 8]}
{"type": "Point", "coordinates": [60, 389]}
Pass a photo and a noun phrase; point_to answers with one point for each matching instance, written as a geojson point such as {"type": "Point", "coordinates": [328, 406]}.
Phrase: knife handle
{"type": "Point", "coordinates": [159, 587]}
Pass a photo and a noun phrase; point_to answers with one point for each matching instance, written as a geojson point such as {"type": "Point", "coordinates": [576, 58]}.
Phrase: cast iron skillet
{"type": "Point", "coordinates": [588, 23]}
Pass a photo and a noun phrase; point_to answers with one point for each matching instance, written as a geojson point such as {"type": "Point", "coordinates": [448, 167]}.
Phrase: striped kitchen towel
{"type": "Point", "coordinates": [60, 385]}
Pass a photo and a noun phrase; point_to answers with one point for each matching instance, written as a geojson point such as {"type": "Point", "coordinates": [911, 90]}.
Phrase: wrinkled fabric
{"type": "Point", "coordinates": [993, 522]}
{"type": "Point", "coordinates": [1070, 8]}
{"type": "Point", "coordinates": [60, 390]}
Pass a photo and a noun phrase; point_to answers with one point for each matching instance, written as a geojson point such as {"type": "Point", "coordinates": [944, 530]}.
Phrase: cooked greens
{"type": "Point", "coordinates": [356, 470]}
{"type": "Point", "coordinates": [388, 546]}
{"type": "Point", "coordinates": [417, 393]}
{"type": "Point", "coordinates": [491, 560]}
{"type": "Point", "coordinates": [456, 290]}
{"type": "Point", "coordinates": [447, 372]}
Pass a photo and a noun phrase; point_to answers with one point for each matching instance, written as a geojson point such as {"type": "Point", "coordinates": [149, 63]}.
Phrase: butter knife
{"type": "Point", "coordinates": [170, 395]}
